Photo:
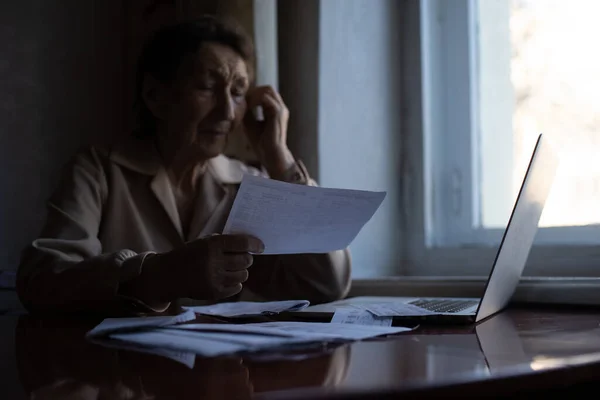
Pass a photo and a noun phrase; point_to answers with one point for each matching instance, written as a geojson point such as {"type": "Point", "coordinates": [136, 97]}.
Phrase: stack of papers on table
{"type": "Point", "coordinates": [113, 325]}
{"type": "Point", "coordinates": [212, 340]}
{"type": "Point", "coordinates": [178, 336]}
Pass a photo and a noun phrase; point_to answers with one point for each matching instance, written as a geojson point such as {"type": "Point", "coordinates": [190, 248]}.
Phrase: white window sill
{"type": "Point", "coordinates": [560, 290]}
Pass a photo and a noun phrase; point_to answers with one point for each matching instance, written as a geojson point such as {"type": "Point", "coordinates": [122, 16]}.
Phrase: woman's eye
{"type": "Point", "coordinates": [206, 86]}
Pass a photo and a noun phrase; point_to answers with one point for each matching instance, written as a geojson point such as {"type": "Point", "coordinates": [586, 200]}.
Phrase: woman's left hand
{"type": "Point", "coordinates": [269, 137]}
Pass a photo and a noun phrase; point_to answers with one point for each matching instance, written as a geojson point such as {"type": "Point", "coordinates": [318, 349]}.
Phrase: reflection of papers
{"type": "Point", "coordinates": [357, 316]}
{"type": "Point", "coordinates": [111, 325]}
{"type": "Point", "coordinates": [291, 218]}
{"type": "Point", "coordinates": [393, 309]}
{"type": "Point", "coordinates": [250, 308]}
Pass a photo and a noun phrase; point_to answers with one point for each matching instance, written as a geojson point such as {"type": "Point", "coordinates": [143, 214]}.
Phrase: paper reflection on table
{"type": "Point", "coordinates": [56, 361]}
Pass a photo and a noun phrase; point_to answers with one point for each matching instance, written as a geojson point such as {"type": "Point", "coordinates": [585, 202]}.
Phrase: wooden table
{"type": "Point", "coordinates": [519, 352]}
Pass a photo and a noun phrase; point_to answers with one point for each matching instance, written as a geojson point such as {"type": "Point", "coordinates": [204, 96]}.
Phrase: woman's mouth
{"type": "Point", "coordinates": [212, 132]}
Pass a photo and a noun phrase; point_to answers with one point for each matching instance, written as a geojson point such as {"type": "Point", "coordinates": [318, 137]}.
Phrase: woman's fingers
{"type": "Point", "coordinates": [258, 95]}
{"type": "Point", "coordinates": [230, 282]}
{"type": "Point", "coordinates": [232, 272]}
{"type": "Point", "coordinates": [228, 291]}
{"type": "Point", "coordinates": [239, 243]}
{"type": "Point", "coordinates": [236, 262]}
{"type": "Point", "coordinates": [232, 278]}
{"type": "Point", "coordinates": [271, 90]}
{"type": "Point", "coordinates": [271, 105]}
{"type": "Point", "coordinates": [275, 115]}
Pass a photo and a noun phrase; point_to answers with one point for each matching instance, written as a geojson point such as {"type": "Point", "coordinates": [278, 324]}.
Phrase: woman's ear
{"type": "Point", "coordinates": [153, 94]}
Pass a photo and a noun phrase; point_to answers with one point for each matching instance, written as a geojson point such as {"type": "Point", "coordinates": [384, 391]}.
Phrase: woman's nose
{"type": "Point", "coordinates": [226, 107]}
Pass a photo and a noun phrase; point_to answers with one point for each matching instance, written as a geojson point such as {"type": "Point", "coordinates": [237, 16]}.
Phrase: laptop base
{"type": "Point", "coordinates": [446, 320]}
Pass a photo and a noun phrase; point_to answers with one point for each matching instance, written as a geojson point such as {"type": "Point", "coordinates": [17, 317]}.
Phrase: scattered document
{"type": "Point", "coordinates": [186, 358]}
{"type": "Point", "coordinates": [253, 340]}
{"type": "Point", "coordinates": [231, 309]}
{"type": "Point", "coordinates": [332, 330]}
{"type": "Point", "coordinates": [292, 218]}
{"type": "Point", "coordinates": [112, 325]}
{"type": "Point", "coordinates": [294, 329]}
{"type": "Point", "coordinates": [197, 344]}
{"type": "Point", "coordinates": [357, 316]}
{"type": "Point", "coordinates": [250, 308]}
{"type": "Point", "coordinates": [393, 309]}
{"type": "Point", "coordinates": [232, 328]}
{"type": "Point", "coordinates": [178, 337]}
{"type": "Point", "coordinates": [211, 340]}
{"type": "Point", "coordinates": [213, 344]}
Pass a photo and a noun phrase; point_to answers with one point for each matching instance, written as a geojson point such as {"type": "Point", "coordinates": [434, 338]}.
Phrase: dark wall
{"type": "Point", "coordinates": [60, 88]}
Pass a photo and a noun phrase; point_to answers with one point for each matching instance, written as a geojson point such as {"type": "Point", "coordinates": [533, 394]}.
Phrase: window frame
{"type": "Point", "coordinates": [557, 252]}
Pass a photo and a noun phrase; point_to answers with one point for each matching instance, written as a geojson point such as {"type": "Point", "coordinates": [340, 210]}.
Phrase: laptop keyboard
{"type": "Point", "coordinates": [444, 306]}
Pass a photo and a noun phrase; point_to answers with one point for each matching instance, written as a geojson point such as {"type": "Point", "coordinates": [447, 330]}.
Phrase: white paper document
{"type": "Point", "coordinates": [250, 308]}
{"type": "Point", "coordinates": [331, 330]}
{"type": "Point", "coordinates": [111, 325]}
{"type": "Point", "coordinates": [197, 344]}
{"type": "Point", "coordinates": [183, 338]}
{"type": "Point", "coordinates": [393, 309]}
{"type": "Point", "coordinates": [211, 340]}
{"type": "Point", "coordinates": [186, 358]}
{"type": "Point", "coordinates": [292, 218]}
{"type": "Point", "coordinates": [209, 343]}
{"type": "Point", "coordinates": [362, 317]}
{"type": "Point", "coordinates": [323, 331]}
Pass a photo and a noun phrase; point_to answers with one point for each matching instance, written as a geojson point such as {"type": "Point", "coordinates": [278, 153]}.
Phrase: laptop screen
{"type": "Point", "coordinates": [521, 230]}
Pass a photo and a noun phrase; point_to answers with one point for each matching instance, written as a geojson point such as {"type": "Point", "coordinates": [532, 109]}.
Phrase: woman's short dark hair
{"type": "Point", "coordinates": [164, 52]}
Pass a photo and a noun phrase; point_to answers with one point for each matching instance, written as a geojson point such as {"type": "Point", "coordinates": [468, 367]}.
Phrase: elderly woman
{"type": "Point", "coordinates": [135, 227]}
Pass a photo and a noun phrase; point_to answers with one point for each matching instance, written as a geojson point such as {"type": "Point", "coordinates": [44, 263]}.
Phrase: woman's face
{"type": "Point", "coordinates": [205, 102]}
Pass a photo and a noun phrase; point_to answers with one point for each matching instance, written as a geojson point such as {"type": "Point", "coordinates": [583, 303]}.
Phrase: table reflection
{"type": "Point", "coordinates": [434, 354]}
{"type": "Point", "coordinates": [55, 361]}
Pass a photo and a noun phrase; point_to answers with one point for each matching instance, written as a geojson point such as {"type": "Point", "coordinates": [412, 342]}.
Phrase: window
{"type": "Point", "coordinates": [495, 74]}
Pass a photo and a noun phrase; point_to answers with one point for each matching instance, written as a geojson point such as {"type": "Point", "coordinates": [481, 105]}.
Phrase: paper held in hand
{"type": "Point", "coordinates": [291, 218]}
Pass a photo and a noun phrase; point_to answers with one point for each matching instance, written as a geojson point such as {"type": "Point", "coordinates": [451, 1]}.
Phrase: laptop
{"type": "Point", "coordinates": [507, 268]}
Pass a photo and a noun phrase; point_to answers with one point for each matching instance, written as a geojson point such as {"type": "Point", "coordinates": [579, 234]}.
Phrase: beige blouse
{"type": "Point", "coordinates": [113, 207]}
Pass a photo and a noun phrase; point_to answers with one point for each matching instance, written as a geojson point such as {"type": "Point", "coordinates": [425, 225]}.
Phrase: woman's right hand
{"type": "Point", "coordinates": [210, 268]}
